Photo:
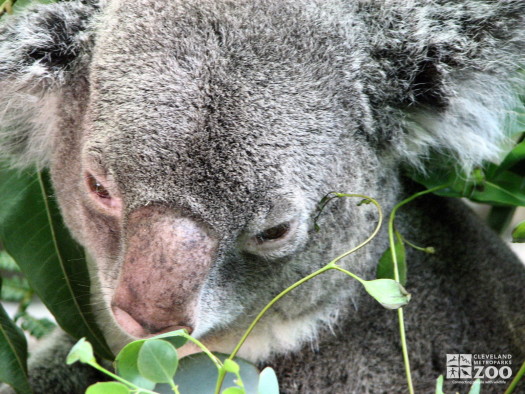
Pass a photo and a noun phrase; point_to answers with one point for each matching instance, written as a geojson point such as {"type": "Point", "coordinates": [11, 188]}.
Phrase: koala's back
{"type": "Point", "coordinates": [467, 298]}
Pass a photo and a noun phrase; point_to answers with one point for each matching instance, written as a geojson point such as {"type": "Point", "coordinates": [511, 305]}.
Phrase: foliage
{"type": "Point", "coordinates": [15, 288]}
{"type": "Point", "coordinates": [149, 366]}
{"type": "Point", "coordinates": [33, 233]}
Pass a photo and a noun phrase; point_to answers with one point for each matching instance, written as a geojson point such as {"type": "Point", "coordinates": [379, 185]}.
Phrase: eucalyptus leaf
{"type": "Point", "coordinates": [518, 234]}
{"type": "Point", "coordinates": [7, 263]}
{"type": "Point", "coordinates": [82, 351]}
{"type": "Point", "coordinates": [127, 367]}
{"type": "Point", "coordinates": [157, 361]}
{"type": "Point", "coordinates": [515, 156]}
{"type": "Point", "coordinates": [234, 390]}
{"type": "Point", "coordinates": [198, 374]}
{"type": "Point", "coordinates": [476, 387]}
{"type": "Point", "coordinates": [176, 338]}
{"type": "Point", "coordinates": [387, 292]}
{"type": "Point", "coordinates": [32, 231]}
{"type": "Point", "coordinates": [499, 218]}
{"type": "Point", "coordinates": [15, 289]}
{"type": "Point", "coordinates": [37, 328]}
{"type": "Point", "coordinates": [385, 268]}
{"type": "Point", "coordinates": [108, 388]}
{"type": "Point", "coordinates": [268, 383]}
{"type": "Point", "coordinates": [439, 385]}
{"type": "Point", "coordinates": [231, 366]}
{"type": "Point", "coordinates": [13, 355]}
{"type": "Point", "coordinates": [505, 189]}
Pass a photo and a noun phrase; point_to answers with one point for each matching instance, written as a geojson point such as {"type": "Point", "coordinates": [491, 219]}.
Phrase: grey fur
{"type": "Point", "coordinates": [241, 115]}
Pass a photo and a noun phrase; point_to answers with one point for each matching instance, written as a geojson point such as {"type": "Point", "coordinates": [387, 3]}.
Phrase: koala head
{"type": "Point", "coordinates": [190, 142]}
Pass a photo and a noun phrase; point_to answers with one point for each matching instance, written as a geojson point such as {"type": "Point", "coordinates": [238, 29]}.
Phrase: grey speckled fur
{"type": "Point", "coordinates": [241, 115]}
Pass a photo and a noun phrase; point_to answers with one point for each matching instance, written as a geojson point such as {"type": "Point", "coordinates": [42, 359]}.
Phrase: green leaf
{"type": "Point", "coordinates": [499, 218]}
{"type": "Point", "coordinates": [15, 289]}
{"type": "Point", "coordinates": [7, 263]}
{"type": "Point", "coordinates": [176, 338]}
{"type": "Point", "coordinates": [51, 261]}
{"type": "Point", "coordinates": [268, 383]}
{"type": "Point", "coordinates": [82, 351]}
{"type": "Point", "coordinates": [476, 387]}
{"type": "Point", "coordinates": [506, 189]}
{"type": "Point", "coordinates": [385, 268]}
{"type": "Point", "coordinates": [127, 368]}
{"type": "Point", "coordinates": [387, 292]}
{"type": "Point", "coordinates": [36, 327]}
{"type": "Point", "coordinates": [234, 390]}
{"type": "Point", "coordinates": [439, 385]}
{"type": "Point", "coordinates": [518, 234]}
{"type": "Point", "coordinates": [198, 374]}
{"type": "Point", "coordinates": [231, 366]}
{"type": "Point", "coordinates": [108, 388]}
{"type": "Point", "coordinates": [13, 351]}
{"type": "Point", "coordinates": [514, 157]}
{"type": "Point", "coordinates": [157, 361]}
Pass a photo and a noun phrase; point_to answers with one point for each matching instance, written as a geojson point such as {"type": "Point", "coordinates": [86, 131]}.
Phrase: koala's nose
{"type": "Point", "coordinates": [166, 259]}
{"type": "Point", "coordinates": [136, 328]}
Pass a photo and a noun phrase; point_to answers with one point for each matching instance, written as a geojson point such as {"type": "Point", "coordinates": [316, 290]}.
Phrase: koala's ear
{"type": "Point", "coordinates": [457, 78]}
{"type": "Point", "coordinates": [39, 49]}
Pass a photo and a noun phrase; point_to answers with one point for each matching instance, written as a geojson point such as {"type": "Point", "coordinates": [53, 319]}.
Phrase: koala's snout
{"type": "Point", "coordinates": [166, 259]}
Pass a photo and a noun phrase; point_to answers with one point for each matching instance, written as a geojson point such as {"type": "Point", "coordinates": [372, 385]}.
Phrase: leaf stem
{"type": "Point", "coordinates": [331, 265]}
{"type": "Point", "coordinates": [516, 379]}
{"type": "Point", "coordinates": [400, 315]}
{"type": "Point", "coordinates": [213, 358]}
{"type": "Point", "coordinates": [413, 245]}
{"type": "Point", "coordinates": [96, 365]}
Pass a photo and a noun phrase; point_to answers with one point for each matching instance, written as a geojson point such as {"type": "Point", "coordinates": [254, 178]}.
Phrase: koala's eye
{"type": "Point", "coordinates": [273, 233]}
{"type": "Point", "coordinates": [96, 187]}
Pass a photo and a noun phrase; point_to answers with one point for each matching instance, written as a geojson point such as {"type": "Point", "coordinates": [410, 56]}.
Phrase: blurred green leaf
{"type": "Point", "coordinates": [439, 385]}
{"type": "Point", "coordinates": [505, 189]}
{"type": "Point", "coordinates": [35, 327]}
{"type": "Point", "coordinates": [514, 157]}
{"type": "Point", "coordinates": [499, 218]}
{"type": "Point", "coordinates": [233, 390]}
{"type": "Point", "coordinates": [7, 263]}
{"type": "Point", "coordinates": [82, 351]}
{"type": "Point", "coordinates": [13, 351]}
{"type": "Point", "coordinates": [268, 383]}
{"type": "Point", "coordinates": [198, 374]}
{"type": "Point", "coordinates": [33, 233]}
{"type": "Point", "coordinates": [476, 387]}
{"type": "Point", "coordinates": [387, 292]}
{"type": "Point", "coordinates": [231, 366]}
{"type": "Point", "coordinates": [157, 361]}
{"type": "Point", "coordinates": [127, 368]}
{"type": "Point", "coordinates": [15, 289]}
{"type": "Point", "coordinates": [385, 268]}
{"type": "Point", "coordinates": [176, 338]}
{"type": "Point", "coordinates": [108, 388]}
{"type": "Point", "coordinates": [518, 234]}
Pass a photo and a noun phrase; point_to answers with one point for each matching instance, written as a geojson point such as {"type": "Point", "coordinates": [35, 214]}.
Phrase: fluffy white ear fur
{"type": "Point", "coordinates": [37, 48]}
{"type": "Point", "coordinates": [26, 127]}
{"type": "Point", "coordinates": [472, 129]}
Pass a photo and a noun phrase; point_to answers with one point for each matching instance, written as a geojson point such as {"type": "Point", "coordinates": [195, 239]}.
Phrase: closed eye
{"type": "Point", "coordinates": [273, 233]}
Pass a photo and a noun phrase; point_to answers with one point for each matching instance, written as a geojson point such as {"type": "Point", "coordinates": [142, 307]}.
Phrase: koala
{"type": "Point", "coordinates": [190, 142]}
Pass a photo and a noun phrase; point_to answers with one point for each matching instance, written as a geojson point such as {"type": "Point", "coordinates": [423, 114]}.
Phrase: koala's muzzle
{"type": "Point", "coordinates": [166, 260]}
